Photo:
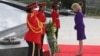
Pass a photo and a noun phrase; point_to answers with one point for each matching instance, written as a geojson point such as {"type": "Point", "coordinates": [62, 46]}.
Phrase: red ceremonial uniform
{"type": "Point", "coordinates": [55, 18]}
{"type": "Point", "coordinates": [33, 35]}
{"type": "Point", "coordinates": [42, 18]}
{"type": "Point", "coordinates": [35, 29]}
{"type": "Point", "coordinates": [35, 12]}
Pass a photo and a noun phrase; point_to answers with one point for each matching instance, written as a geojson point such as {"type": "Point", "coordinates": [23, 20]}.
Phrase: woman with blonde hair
{"type": "Point", "coordinates": [79, 26]}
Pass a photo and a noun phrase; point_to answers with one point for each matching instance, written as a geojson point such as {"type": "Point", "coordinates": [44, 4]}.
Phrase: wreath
{"type": "Point", "coordinates": [52, 41]}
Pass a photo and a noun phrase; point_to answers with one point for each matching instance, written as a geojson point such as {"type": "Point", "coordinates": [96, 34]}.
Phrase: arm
{"type": "Point", "coordinates": [41, 17]}
{"type": "Point", "coordinates": [78, 20]}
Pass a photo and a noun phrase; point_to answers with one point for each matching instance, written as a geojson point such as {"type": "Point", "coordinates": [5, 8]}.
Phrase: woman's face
{"type": "Point", "coordinates": [75, 9]}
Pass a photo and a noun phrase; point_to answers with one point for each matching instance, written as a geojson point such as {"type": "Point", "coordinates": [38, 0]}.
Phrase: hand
{"type": "Point", "coordinates": [75, 27]}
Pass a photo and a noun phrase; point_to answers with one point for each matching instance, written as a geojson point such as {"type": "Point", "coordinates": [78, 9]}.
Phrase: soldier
{"type": "Point", "coordinates": [55, 18]}
{"type": "Point", "coordinates": [41, 16]}
{"type": "Point", "coordinates": [33, 35]}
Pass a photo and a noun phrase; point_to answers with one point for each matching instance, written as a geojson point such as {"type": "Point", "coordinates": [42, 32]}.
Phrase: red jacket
{"type": "Point", "coordinates": [55, 18]}
{"type": "Point", "coordinates": [41, 16]}
{"type": "Point", "coordinates": [35, 29]}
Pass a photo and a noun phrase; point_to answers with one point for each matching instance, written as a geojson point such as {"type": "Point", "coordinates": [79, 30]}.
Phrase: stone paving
{"type": "Point", "coordinates": [67, 34]}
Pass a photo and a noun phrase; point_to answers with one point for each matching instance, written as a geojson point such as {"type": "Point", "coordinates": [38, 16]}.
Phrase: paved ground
{"type": "Point", "coordinates": [67, 35]}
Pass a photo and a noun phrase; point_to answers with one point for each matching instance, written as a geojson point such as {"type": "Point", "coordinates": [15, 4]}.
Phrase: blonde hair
{"type": "Point", "coordinates": [76, 5]}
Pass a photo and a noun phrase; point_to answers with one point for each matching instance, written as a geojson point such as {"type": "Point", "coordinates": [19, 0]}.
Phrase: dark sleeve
{"type": "Point", "coordinates": [78, 20]}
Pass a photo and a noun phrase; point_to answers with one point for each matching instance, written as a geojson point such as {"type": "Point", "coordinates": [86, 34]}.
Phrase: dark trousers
{"type": "Point", "coordinates": [42, 39]}
{"type": "Point", "coordinates": [33, 49]}
{"type": "Point", "coordinates": [56, 33]}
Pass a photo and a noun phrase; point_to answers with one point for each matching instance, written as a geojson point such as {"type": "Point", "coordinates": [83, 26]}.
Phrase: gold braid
{"type": "Point", "coordinates": [34, 29]}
